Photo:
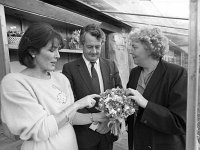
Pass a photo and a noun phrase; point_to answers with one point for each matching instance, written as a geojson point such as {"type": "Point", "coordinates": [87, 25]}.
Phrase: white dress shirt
{"type": "Point", "coordinates": [97, 67]}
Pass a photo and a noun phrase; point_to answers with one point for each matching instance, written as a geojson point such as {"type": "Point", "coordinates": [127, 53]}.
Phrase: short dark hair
{"type": "Point", "coordinates": [36, 37]}
{"type": "Point", "coordinates": [93, 30]}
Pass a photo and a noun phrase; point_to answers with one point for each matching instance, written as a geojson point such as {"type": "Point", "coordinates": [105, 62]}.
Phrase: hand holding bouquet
{"type": "Point", "coordinates": [117, 107]}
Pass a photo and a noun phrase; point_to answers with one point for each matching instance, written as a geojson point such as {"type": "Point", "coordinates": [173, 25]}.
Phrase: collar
{"type": "Point", "coordinates": [87, 62]}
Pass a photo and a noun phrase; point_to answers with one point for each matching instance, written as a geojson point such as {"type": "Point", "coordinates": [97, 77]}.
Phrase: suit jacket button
{"type": "Point", "coordinates": [149, 147]}
{"type": "Point", "coordinates": [145, 121]}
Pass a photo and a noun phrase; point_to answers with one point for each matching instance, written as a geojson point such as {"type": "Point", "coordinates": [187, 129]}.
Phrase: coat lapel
{"type": "Point", "coordinates": [105, 71]}
{"type": "Point", "coordinates": [85, 75]}
{"type": "Point", "coordinates": [133, 79]}
{"type": "Point", "coordinates": [136, 78]}
{"type": "Point", "coordinates": [156, 77]}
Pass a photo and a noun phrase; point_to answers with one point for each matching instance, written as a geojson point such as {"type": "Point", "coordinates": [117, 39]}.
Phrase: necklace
{"type": "Point", "coordinates": [147, 77]}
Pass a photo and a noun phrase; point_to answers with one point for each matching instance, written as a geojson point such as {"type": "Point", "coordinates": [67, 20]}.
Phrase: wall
{"type": "Point", "coordinates": [13, 24]}
{"type": "Point", "coordinates": [118, 51]}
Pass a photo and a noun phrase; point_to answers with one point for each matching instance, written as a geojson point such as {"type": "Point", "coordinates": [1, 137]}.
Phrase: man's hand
{"type": "Point", "coordinates": [103, 127]}
{"type": "Point", "coordinates": [99, 117]}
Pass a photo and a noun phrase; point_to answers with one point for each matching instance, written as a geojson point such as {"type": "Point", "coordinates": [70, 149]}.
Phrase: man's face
{"type": "Point", "coordinates": [92, 48]}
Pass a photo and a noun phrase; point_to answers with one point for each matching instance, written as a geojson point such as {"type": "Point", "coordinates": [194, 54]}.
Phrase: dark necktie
{"type": "Point", "coordinates": [95, 79]}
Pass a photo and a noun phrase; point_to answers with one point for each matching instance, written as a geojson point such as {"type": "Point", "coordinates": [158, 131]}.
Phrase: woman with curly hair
{"type": "Point", "coordinates": [160, 90]}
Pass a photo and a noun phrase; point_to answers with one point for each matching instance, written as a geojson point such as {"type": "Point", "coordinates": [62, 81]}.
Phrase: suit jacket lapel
{"type": "Point", "coordinates": [156, 77]}
{"type": "Point", "coordinates": [105, 71]}
{"type": "Point", "coordinates": [85, 75]}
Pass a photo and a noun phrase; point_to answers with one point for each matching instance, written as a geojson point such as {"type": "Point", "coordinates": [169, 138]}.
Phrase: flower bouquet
{"type": "Point", "coordinates": [117, 107]}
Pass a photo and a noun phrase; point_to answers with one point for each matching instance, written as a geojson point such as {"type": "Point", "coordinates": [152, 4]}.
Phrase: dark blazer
{"type": "Point", "coordinates": [81, 84]}
{"type": "Point", "coordinates": [162, 124]}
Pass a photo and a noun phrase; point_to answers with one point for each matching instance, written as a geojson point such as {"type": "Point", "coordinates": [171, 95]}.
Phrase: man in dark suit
{"type": "Point", "coordinates": [92, 74]}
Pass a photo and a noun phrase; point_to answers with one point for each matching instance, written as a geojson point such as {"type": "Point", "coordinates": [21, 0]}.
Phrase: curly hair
{"type": "Point", "coordinates": [153, 40]}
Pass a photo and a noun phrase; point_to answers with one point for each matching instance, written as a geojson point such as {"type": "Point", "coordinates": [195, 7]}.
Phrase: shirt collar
{"type": "Point", "coordinates": [88, 62]}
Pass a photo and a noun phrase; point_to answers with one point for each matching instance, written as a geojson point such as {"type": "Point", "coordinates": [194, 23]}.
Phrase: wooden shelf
{"type": "Point", "coordinates": [72, 50]}
{"type": "Point", "coordinates": [15, 46]}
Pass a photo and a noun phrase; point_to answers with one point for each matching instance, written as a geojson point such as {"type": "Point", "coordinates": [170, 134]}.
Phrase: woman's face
{"type": "Point", "coordinates": [139, 53]}
{"type": "Point", "coordinates": [47, 58]}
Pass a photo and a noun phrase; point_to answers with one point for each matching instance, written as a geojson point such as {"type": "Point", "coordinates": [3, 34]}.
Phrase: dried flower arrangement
{"type": "Point", "coordinates": [74, 40]}
{"type": "Point", "coordinates": [15, 33]}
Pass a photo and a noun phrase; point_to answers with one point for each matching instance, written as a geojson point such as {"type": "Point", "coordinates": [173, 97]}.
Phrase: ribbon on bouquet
{"type": "Point", "coordinates": [117, 126]}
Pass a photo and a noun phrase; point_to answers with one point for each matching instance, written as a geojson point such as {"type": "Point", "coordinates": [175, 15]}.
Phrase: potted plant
{"type": "Point", "coordinates": [14, 36]}
{"type": "Point", "coordinates": [74, 40]}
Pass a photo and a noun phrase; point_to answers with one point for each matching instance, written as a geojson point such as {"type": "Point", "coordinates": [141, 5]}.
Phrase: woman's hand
{"type": "Point", "coordinates": [87, 101]}
{"type": "Point", "coordinates": [135, 95]}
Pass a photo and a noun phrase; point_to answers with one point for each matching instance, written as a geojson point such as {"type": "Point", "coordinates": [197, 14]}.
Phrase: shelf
{"type": "Point", "coordinates": [72, 50]}
{"type": "Point", "coordinates": [15, 46]}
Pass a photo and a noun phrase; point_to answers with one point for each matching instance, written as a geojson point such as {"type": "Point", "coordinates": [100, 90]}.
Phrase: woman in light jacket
{"type": "Point", "coordinates": [37, 104]}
